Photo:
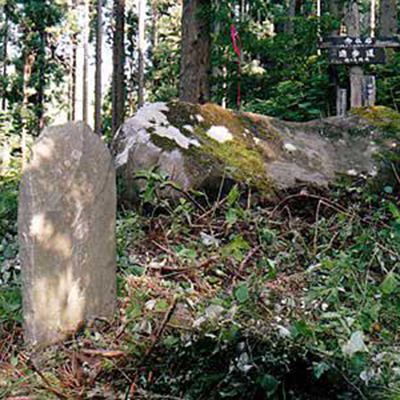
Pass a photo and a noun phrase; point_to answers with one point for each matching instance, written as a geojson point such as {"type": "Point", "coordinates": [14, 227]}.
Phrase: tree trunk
{"type": "Point", "coordinates": [373, 18]}
{"type": "Point", "coordinates": [195, 52]}
{"type": "Point", "coordinates": [387, 18]}
{"type": "Point", "coordinates": [155, 23]}
{"type": "Point", "coordinates": [141, 50]}
{"type": "Point", "coordinates": [73, 69]}
{"type": "Point", "coordinates": [85, 83]}
{"type": "Point", "coordinates": [5, 56]}
{"type": "Point", "coordinates": [336, 9]}
{"type": "Point", "coordinates": [29, 61]}
{"type": "Point", "coordinates": [99, 61]}
{"type": "Point", "coordinates": [73, 75]}
{"type": "Point", "coordinates": [41, 65]}
{"type": "Point", "coordinates": [118, 77]}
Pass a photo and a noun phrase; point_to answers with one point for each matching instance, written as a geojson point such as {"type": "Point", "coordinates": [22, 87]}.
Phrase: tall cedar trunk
{"type": "Point", "coordinates": [195, 52]}
{"type": "Point", "coordinates": [99, 61]}
{"type": "Point", "coordinates": [5, 56]}
{"type": "Point", "coordinates": [387, 18]}
{"type": "Point", "coordinates": [118, 76]}
{"type": "Point", "coordinates": [73, 75]}
{"type": "Point", "coordinates": [29, 61]}
{"type": "Point", "coordinates": [41, 65]}
{"type": "Point", "coordinates": [73, 67]}
{"type": "Point", "coordinates": [70, 61]}
{"type": "Point", "coordinates": [141, 48]}
{"type": "Point", "coordinates": [336, 9]}
{"type": "Point", "coordinates": [85, 83]}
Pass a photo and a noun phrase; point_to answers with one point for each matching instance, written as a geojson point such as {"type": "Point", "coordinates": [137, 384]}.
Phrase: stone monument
{"type": "Point", "coordinates": [67, 207]}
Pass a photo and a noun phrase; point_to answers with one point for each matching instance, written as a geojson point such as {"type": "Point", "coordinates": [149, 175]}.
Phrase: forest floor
{"type": "Point", "coordinates": [232, 299]}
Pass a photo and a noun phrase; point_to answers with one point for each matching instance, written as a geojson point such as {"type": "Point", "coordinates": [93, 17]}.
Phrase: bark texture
{"type": "Point", "coordinates": [118, 76]}
{"type": "Point", "coordinates": [141, 50]}
{"type": "Point", "coordinates": [194, 84]}
{"type": "Point", "coordinates": [73, 69]}
{"type": "Point", "coordinates": [99, 61]}
{"type": "Point", "coordinates": [387, 18]}
{"type": "Point", "coordinates": [5, 56]}
{"type": "Point", "coordinates": [336, 9]}
{"type": "Point", "coordinates": [85, 83]}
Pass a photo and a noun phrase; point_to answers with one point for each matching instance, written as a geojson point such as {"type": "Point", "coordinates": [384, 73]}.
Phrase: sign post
{"type": "Point", "coordinates": [356, 51]}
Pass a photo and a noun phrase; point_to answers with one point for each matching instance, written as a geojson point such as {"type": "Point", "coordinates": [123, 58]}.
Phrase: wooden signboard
{"type": "Point", "coordinates": [357, 55]}
{"type": "Point", "coordinates": [347, 41]}
{"type": "Point", "coordinates": [358, 51]}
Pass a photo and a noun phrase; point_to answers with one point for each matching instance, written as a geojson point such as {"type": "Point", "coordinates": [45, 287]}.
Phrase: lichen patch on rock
{"type": "Point", "coordinates": [151, 118]}
{"type": "Point", "coordinates": [220, 133]}
{"type": "Point", "coordinates": [289, 147]}
{"type": "Point", "coordinates": [200, 145]}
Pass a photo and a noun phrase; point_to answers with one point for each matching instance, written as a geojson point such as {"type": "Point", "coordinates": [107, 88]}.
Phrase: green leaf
{"type": "Point", "coordinates": [170, 341]}
{"type": "Point", "coordinates": [162, 305]}
{"type": "Point", "coordinates": [300, 329]}
{"type": "Point", "coordinates": [394, 210]}
{"type": "Point", "coordinates": [242, 293]}
{"type": "Point", "coordinates": [320, 368]}
{"type": "Point", "coordinates": [236, 248]}
{"type": "Point", "coordinates": [268, 383]}
{"type": "Point", "coordinates": [389, 283]}
{"type": "Point", "coordinates": [271, 268]}
{"type": "Point", "coordinates": [233, 196]}
{"type": "Point", "coordinates": [187, 253]}
{"type": "Point", "coordinates": [231, 217]}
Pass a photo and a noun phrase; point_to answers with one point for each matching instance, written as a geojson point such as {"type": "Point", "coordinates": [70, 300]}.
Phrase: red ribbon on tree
{"type": "Point", "coordinates": [237, 46]}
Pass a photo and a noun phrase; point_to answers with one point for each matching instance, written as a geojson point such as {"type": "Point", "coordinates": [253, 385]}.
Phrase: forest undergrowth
{"type": "Point", "coordinates": [232, 299]}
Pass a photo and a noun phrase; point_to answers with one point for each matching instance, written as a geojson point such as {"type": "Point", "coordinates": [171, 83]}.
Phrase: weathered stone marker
{"type": "Point", "coordinates": [67, 207]}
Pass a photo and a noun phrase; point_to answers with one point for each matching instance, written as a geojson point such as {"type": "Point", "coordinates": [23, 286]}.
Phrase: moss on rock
{"type": "Point", "coordinates": [208, 143]}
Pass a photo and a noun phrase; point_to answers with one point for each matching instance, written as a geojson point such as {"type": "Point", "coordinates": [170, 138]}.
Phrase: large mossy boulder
{"type": "Point", "coordinates": [199, 146]}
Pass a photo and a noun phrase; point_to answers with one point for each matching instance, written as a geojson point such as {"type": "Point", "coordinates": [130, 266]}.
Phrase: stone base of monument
{"type": "Point", "coordinates": [67, 208]}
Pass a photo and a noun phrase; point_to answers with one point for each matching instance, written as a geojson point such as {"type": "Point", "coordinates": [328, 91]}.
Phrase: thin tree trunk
{"type": "Point", "coordinates": [27, 72]}
{"type": "Point", "coordinates": [41, 64]}
{"type": "Point", "coordinates": [73, 75]}
{"type": "Point", "coordinates": [141, 49]}
{"type": "Point", "coordinates": [155, 23]}
{"type": "Point", "coordinates": [5, 61]}
{"type": "Point", "coordinates": [195, 52]}
{"type": "Point", "coordinates": [336, 9]}
{"type": "Point", "coordinates": [85, 79]}
{"type": "Point", "coordinates": [99, 61]}
{"type": "Point", "coordinates": [5, 56]}
{"type": "Point", "coordinates": [387, 18]}
{"type": "Point", "coordinates": [73, 69]}
{"type": "Point", "coordinates": [118, 78]}
{"type": "Point", "coordinates": [373, 19]}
